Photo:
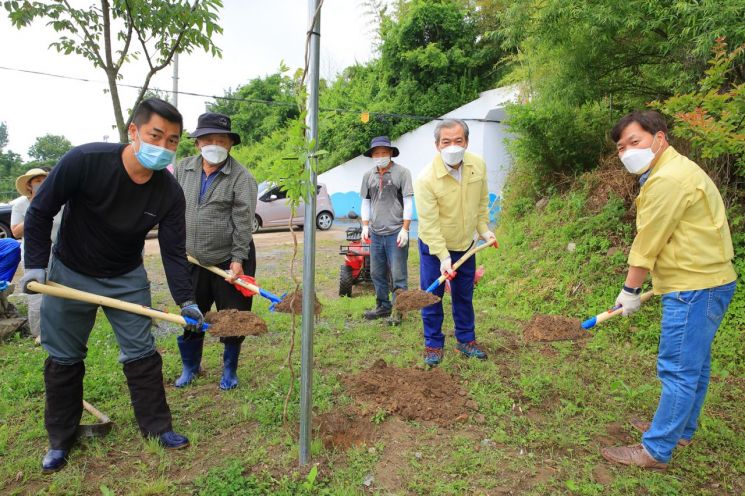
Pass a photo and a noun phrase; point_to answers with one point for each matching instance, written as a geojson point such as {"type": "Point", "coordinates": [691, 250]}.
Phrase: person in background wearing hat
{"type": "Point", "coordinates": [220, 207]}
{"type": "Point", "coordinates": [27, 185]}
{"type": "Point", "coordinates": [682, 239]}
{"type": "Point", "coordinates": [453, 205]}
{"type": "Point", "coordinates": [387, 204]}
{"type": "Point", "coordinates": [113, 194]}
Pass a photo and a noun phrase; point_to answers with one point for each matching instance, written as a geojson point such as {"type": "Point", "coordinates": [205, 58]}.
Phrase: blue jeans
{"type": "Point", "coordinates": [386, 257]}
{"type": "Point", "coordinates": [690, 320]}
{"type": "Point", "coordinates": [461, 292]}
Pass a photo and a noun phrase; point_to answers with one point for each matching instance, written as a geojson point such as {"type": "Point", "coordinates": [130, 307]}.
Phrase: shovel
{"type": "Point", "coordinates": [54, 289]}
{"type": "Point", "coordinates": [416, 298]}
{"type": "Point", "coordinates": [617, 310]}
{"type": "Point", "coordinates": [251, 287]}
{"type": "Point", "coordinates": [99, 429]}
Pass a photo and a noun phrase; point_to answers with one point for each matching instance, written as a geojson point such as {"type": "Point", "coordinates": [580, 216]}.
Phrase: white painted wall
{"type": "Point", "coordinates": [417, 148]}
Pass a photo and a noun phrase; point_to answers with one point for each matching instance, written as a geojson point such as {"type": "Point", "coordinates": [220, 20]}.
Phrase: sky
{"type": "Point", "coordinates": [257, 36]}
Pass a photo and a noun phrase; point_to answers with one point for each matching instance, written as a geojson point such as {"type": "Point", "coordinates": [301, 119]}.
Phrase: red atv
{"type": "Point", "coordinates": [356, 268]}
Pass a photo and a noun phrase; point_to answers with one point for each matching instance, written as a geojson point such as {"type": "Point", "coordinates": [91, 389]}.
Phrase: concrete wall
{"type": "Point", "coordinates": [487, 139]}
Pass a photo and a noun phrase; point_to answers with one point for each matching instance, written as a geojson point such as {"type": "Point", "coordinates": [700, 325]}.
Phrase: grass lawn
{"type": "Point", "coordinates": [542, 411]}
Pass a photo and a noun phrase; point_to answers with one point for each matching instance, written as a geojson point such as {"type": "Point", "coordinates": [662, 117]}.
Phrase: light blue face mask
{"type": "Point", "coordinates": [153, 157]}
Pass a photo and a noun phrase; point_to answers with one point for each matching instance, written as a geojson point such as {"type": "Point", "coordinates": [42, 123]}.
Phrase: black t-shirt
{"type": "Point", "coordinates": [106, 218]}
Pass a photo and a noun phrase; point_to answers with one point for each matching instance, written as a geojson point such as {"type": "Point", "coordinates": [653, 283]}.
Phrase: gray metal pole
{"type": "Point", "coordinates": [175, 80]}
{"type": "Point", "coordinates": [309, 241]}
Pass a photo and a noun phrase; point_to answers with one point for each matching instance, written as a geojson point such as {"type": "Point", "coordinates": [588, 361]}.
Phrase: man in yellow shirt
{"type": "Point", "coordinates": [452, 200]}
{"type": "Point", "coordinates": [684, 241]}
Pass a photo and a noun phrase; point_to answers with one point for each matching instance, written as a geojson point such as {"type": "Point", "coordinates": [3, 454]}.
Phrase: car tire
{"type": "Point", "coordinates": [324, 220]}
{"type": "Point", "coordinates": [5, 231]}
{"type": "Point", "coordinates": [346, 281]}
{"type": "Point", "coordinates": [256, 224]}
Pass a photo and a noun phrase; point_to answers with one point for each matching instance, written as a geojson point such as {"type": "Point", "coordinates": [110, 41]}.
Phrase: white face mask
{"type": "Point", "coordinates": [214, 154]}
{"type": "Point", "coordinates": [638, 160]}
{"type": "Point", "coordinates": [381, 162]}
{"type": "Point", "coordinates": [453, 154]}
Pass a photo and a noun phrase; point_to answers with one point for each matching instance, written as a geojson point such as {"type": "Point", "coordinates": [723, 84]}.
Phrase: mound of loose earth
{"type": "Point", "coordinates": [553, 328]}
{"type": "Point", "coordinates": [410, 393]}
{"type": "Point", "coordinates": [293, 303]}
{"type": "Point", "coordinates": [235, 323]}
{"type": "Point", "coordinates": [414, 299]}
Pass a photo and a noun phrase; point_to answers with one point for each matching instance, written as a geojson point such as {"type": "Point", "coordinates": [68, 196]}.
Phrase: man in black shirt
{"type": "Point", "coordinates": [113, 195]}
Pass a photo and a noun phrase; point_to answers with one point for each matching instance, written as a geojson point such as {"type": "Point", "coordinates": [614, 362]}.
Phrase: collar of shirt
{"type": "Point", "coordinates": [456, 173]}
{"type": "Point", "coordinates": [207, 180]}
{"type": "Point", "coordinates": [667, 156]}
{"type": "Point", "coordinates": [442, 169]}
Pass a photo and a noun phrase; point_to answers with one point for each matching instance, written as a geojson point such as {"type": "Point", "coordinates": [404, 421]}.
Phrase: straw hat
{"type": "Point", "coordinates": [23, 181]}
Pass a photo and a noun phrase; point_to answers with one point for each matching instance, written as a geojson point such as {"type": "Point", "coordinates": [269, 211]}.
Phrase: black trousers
{"type": "Point", "coordinates": [212, 289]}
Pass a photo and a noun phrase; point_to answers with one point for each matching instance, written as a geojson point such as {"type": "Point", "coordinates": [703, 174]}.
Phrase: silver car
{"type": "Point", "coordinates": [273, 209]}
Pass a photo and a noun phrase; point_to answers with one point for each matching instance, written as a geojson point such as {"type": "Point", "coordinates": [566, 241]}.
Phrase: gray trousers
{"type": "Point", "coordinates": [67, 324]}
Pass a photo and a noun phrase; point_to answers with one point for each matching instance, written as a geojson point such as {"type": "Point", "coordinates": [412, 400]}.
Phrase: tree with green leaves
{"type": "Point", "coordinates": [48, 149]}
{"type": "Point", "coordinates": [153, 30]}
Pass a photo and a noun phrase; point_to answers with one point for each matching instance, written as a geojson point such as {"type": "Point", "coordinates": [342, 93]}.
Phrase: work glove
{"type": "Point", "coordinates": [630, 302]}
{"type": "Point", "coordinates": [245, 291]}
{"type": "Point", "coordinates": [403, 238]}
{"type": "Point", "coordinates": [29, 275]}
{"type": "Point", "coordinates": [366, 234]}
{"type": "Point", "coordinates": [486, 236]}
{"type": "Point", "coordinates": [446, 269]}
{"type": "Point", "coordinates": [190, 310]}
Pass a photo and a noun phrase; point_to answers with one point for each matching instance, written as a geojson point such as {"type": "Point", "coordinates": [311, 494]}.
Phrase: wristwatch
{"type": "Point", "coordinates": [634, 291]}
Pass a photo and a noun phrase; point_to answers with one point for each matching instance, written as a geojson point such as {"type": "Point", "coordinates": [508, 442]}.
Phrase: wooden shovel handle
{"type": "Point", "coordinates": [95, 412]}
{"type": "Point", "coordinates": [466, 256]}
{"type": "Point", "coordinates": [612, 313]}
{"type": "Point", "coordinates": [54, 289]}
{"type": "Point", "coordinates": [224, 274]}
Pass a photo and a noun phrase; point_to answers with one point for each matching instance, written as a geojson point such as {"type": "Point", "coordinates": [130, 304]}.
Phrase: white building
{"type": "Point", "coordinates": [485, 117]}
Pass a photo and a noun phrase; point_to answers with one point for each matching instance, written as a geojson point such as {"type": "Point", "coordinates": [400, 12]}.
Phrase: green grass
{"type": "Point", "coordinates": [547, 408]}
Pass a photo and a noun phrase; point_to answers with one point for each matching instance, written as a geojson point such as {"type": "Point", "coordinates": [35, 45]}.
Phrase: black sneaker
{"type": "Point", "coordinates": [378, 313]}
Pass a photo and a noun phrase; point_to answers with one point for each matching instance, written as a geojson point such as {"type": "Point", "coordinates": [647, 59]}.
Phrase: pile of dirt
{"type": "Point", "coordinates": [414, 299]}
{"type": "Point", "coordinates": [344, 428]}
{"type": "Point", "coordinates": [553, 328]}
{"type": "Point", "coordinates": [293, 303]}
{"type": "Point", "coordinates": [412, 394]}
{"type": "Point", "coordinates": [610, 179]}
{"type": "Point", "coordinates": [235, 323]}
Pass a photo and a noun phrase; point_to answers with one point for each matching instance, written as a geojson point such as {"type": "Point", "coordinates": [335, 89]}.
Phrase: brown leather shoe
{"type": "Point", "coordinates": [642, 427]}
{"type": "Point", "coordinates": [634, 455]}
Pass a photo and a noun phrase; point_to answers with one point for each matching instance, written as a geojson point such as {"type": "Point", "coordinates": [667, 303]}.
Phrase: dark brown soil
{"type": "Point", "coordinates": [235, 323]}
{"type": "Point", "coordinates": [553, 328]}
{"type": "Point", "coordinates": [293, 303]}
{"type": "Point", "coordinates": [411, 394]}
{"type": "Point", "coordinates": [414, 299]}
{"type": "Point", "coordinates": [344, 428]}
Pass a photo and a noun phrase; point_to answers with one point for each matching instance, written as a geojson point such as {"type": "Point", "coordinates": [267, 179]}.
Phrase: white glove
{"type": "Point", "coordinates": [403, 238]}
{"type": "Point", "coordinates": [32, 275]}
{"type": "Point", "coordinates": [366, 234]}
{"type": "Point", "coordinates": [487, 235]}
{"type": "Point", "coordinates": [446, 268]}
{"type": "Point", "coordinates": [630, 302]}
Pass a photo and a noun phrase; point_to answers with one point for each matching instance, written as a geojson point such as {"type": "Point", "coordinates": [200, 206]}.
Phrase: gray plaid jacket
{"type": "Point", "coordinates": [218, 228]}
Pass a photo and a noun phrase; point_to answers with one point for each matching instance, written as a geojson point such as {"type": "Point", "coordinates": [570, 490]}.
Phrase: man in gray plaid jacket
{"type": "Point", "coordinates": [220, 207]}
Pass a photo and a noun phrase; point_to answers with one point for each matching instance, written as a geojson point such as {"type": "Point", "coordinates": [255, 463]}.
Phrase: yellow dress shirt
{"type": "Point", "coordinates": [450, 211]}
{"type": "Point", "coordinates": [682, 232]}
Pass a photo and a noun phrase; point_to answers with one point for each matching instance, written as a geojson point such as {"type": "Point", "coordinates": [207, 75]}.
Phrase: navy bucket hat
{"type": "Point", "coordinates": [214, 123]}
{"type": "Point", "coordinates": [381, 141]}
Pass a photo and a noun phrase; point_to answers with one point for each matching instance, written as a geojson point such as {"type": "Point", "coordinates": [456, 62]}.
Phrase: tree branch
{"type": "Point", "coordinates": [120, 62]}
{"type": "Point", "coordinates": [96, 53]}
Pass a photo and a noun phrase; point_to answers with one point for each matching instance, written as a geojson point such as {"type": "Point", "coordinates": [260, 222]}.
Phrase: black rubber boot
{"type": "Point", "coordinates": [64, 402]}
{"type": "Point", "coordinates": [145, 381]}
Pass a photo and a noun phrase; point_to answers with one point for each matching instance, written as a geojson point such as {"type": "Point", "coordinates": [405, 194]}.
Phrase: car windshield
{"type": "Point", "coordinates": [264, 186]}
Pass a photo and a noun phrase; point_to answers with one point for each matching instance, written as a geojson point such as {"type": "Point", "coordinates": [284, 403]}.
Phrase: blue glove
{"type": "Point", "coordinates": [194, 318]}
{"type": "Point", "coordinates": [29, 275]}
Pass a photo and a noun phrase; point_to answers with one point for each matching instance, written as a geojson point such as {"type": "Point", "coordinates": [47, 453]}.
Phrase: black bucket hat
{"type": "Point", "coordinates": [381, 141]}
{"type": "Point", "coordinates": [214, 123]}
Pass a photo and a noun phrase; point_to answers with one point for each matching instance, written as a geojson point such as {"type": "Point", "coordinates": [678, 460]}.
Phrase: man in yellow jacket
{"type": "Point", "coordinates": [684, 241]}
{"type": "Point", "coordinates": [452, 200]}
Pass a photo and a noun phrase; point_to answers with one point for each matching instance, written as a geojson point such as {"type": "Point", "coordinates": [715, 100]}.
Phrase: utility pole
{"type": "Point", "coordinates": [174, 97]}
{"type": "Point", "coordinates": [309, 236]}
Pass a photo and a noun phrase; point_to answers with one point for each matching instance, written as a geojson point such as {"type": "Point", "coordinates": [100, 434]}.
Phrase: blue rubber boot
{"type": "Point", "coordinates": [230, 365]}
{"type": "Point", "coordinates": [173, 440]}
{"type": "Point", "coordinates": [191, 357]}
{"type": "Point", "coordinates": [53, 461]}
